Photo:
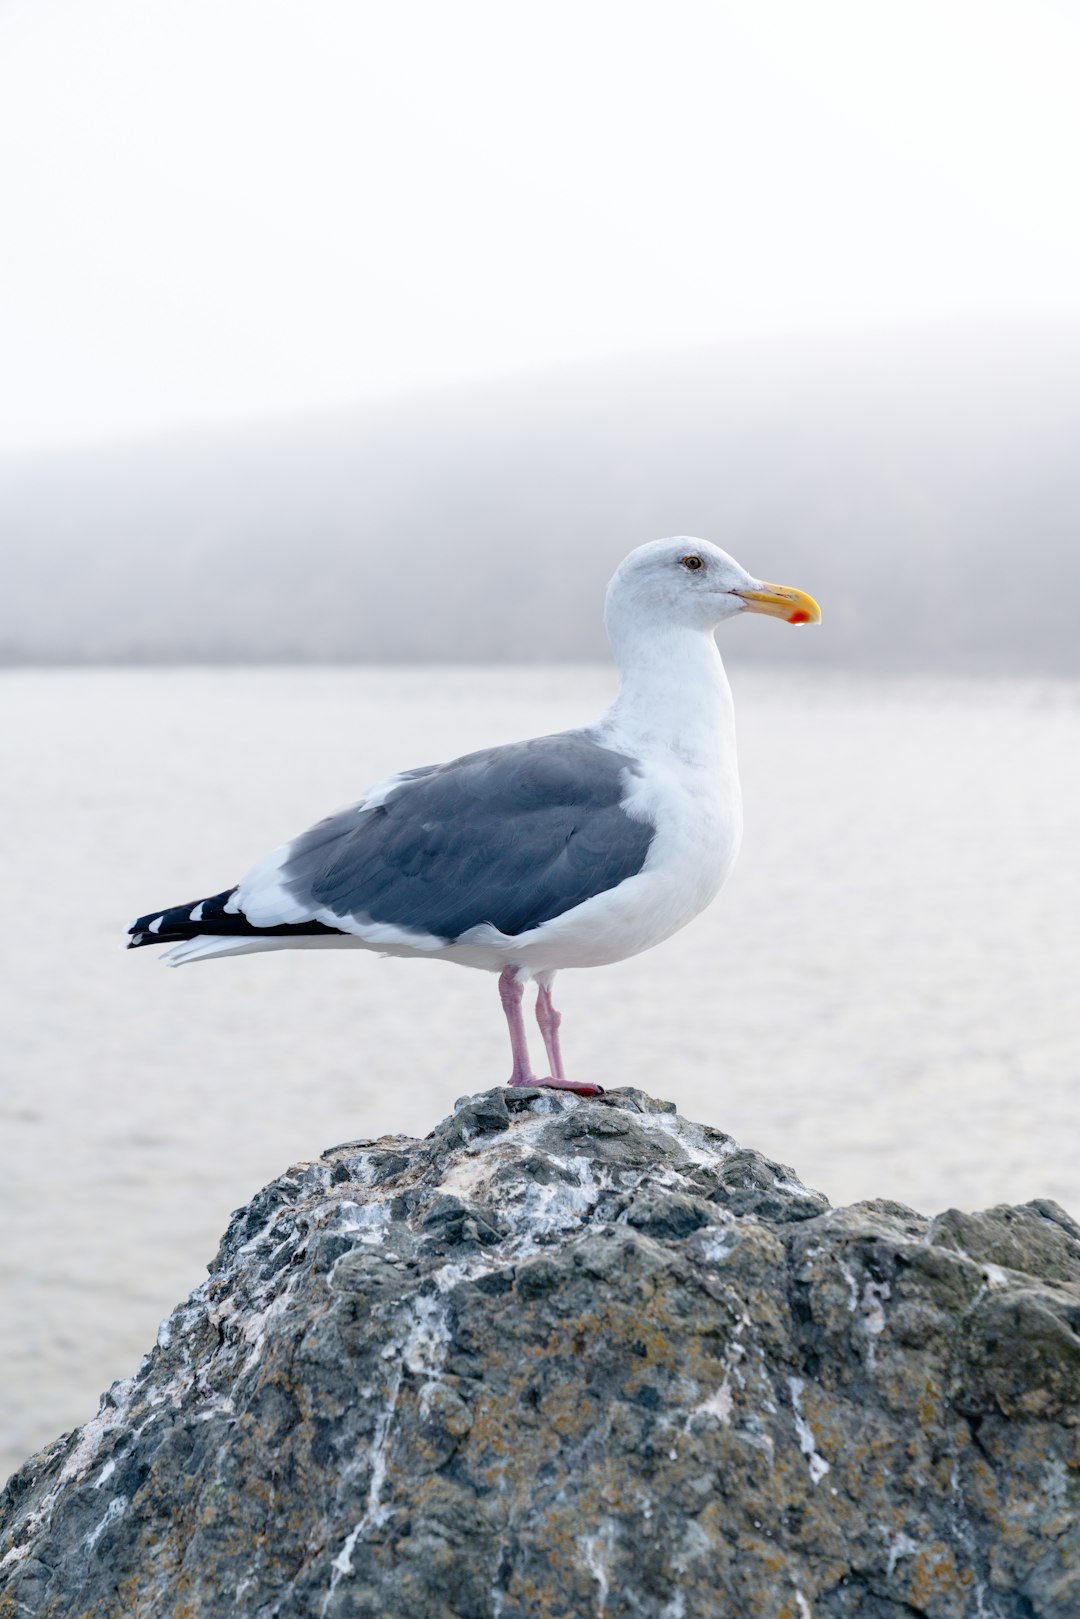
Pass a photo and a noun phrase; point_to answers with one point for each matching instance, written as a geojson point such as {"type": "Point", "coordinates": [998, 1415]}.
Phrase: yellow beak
{"type": "Point", "coordinates": [780, 602]}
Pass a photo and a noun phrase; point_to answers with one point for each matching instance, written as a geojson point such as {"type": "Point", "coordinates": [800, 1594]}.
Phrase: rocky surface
{"type": "Point", "coordinates": [568, 1358]}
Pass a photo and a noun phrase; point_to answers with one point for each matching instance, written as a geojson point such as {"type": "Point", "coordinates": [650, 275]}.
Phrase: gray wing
{"type": "Point", "coordinates": [513, 836]}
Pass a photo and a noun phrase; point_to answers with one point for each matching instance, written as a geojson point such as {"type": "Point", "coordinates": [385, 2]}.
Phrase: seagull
{"type": "Point", "coordinates": [572, 850]}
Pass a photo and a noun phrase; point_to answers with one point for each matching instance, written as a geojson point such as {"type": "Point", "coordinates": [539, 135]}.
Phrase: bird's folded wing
{"type": "Point", "coordinates": [510, 836]}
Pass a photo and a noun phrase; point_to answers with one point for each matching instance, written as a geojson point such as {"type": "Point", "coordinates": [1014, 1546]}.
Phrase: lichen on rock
{"type": "Point", "coordinates": [580, 1358]}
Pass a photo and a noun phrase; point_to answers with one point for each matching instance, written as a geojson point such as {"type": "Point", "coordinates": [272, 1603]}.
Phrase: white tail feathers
{"type": "Point", "coordinates": [207, 945]}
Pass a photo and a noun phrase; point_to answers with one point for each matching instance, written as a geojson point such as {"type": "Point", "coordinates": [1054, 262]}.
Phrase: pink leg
{"type": "Point", "coordinates": [511, 993]}
{"type": "Point", "coordinates": [549, 1020]}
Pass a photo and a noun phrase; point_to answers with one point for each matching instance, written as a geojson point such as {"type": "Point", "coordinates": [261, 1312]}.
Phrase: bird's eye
{"type": "Point", "coordinates": [692, 562]}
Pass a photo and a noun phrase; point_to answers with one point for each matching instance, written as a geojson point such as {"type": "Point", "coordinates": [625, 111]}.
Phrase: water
{"type": "Point", "coordinates": [884, 997]}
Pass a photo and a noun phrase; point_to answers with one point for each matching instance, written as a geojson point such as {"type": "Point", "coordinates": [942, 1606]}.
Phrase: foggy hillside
{"type": "Point", "coordinates": [926, 489]}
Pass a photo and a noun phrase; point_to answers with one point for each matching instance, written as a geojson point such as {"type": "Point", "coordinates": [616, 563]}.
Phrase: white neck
{"type": "Point", "coordinates": [673, 697]}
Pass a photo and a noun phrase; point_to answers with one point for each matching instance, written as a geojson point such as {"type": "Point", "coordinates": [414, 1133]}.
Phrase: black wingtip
{"type": "Point", "coordinates": [176, 923]}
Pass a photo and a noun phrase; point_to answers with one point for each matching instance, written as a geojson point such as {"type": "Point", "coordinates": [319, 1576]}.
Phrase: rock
{"type": "Point", "coordinates": [568, 1358]}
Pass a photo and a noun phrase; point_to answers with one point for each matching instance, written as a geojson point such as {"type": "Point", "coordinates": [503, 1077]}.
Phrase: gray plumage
{"type": "Point", "coordinates": [513, 836]}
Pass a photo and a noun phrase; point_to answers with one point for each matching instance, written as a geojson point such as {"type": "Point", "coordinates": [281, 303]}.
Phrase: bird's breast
{"type": "Point", "coordinates": [697, 813]}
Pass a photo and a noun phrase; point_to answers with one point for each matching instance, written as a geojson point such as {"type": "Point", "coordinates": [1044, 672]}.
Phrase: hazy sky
{"type": "Point", "coordinates": [226, 207]}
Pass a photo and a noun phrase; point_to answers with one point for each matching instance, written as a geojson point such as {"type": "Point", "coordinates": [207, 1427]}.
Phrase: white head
{"type": "Point", "coordinates": [684, 583]}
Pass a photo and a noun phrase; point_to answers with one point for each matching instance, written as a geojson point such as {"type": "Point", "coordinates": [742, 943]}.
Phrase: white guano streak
{"type": "Point", "coordinates": [807, 1443]}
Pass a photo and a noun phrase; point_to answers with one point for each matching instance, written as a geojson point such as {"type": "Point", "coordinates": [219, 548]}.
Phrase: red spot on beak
{"type": "Point", "coordinates": [799, 617]}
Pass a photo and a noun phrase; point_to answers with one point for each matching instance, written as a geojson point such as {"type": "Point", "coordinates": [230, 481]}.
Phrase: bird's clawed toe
{"type": "Point", "coordinates": [582, 1088]}
{"type": "Point", "coordinates": [551, 1084]}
